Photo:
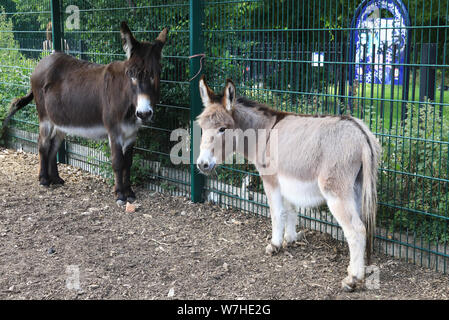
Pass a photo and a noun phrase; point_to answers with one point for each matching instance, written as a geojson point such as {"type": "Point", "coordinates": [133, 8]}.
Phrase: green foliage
{"type": "Point", "coordinates": [416, 181]}
{"type": "Point", "coordinates": [15, 70]}
{"type": "Point", "coordinates": [415, 160]}
{"type": "Point", "coordinates": [139, 172]}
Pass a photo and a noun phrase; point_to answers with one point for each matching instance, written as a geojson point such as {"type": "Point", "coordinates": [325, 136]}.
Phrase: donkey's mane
{"type": "Point", "coordinates": [265, 109]}
{"type": "Point", "coordinates": [74, 60]}
{"type": "Point", "coordinates": [269, 111]}
{"type": "Point", "coordinates": [219, 115]}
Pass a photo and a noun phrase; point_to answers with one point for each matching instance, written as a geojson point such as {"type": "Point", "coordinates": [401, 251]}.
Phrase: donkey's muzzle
{"type": "Point", "coordinates": [206, 167]}
{"type": "Point", "coordinates": [145, 116]}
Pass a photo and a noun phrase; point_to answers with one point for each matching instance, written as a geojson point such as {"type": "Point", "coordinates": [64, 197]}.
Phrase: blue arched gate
{"type": "Point", "coordinates": [379, 48]}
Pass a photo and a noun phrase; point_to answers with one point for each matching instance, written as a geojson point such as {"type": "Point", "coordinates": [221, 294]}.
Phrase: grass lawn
{"type": "Point", "coordinates": [387, 101]}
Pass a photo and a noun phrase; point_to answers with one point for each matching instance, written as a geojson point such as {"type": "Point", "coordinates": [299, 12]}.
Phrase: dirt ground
{"type": "Point", "coordinates": [168, 249]}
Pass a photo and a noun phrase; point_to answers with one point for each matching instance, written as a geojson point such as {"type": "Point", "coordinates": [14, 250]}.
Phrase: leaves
{"type": "Point", "coordinates": [418, 165]}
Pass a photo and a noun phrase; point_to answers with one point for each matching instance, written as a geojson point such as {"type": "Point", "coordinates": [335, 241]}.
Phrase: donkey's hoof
{"type": "Point", "coordinates": [349, 283]}
{"type": "Point", "coordinates": [120, 203]}
{"type": "Point", "coordinates": [346, 287]}
{"type": "Point", "coordinates": [121, 199]}
{"type": "Point", "coordinates": [271, 249]}
{"type": "Point", "coordinates": [44, 182]}
{"type": "Point", "coordinates": [288, 244]}
{"type": "Point", "coordinates": [131, 196]}
{"type": "Point", "coordinates": [291, 241]}
{"type": "Point", "coordinates": [301, 235]}
{"type": "Point", "coordinates": [57, 180]}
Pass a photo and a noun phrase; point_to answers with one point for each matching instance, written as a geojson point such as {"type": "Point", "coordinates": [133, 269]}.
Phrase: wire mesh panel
{"type": "Point", "coordinates": [383, 61]}
{"type": "Point", "coordinates": [21, 40]}
{"type": "Point", "coordinates": [371, 59]}
{"type": "Point", "coordinates": [96, 38]}
{"type": "Point", "coordinates": [91, 31]}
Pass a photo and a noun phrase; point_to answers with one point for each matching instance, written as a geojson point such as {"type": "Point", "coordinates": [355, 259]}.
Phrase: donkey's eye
{"type": "Point", "coordinates": [222, 129]}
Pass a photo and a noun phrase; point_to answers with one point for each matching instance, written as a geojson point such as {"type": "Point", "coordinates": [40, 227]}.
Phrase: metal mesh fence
{"type": "Point", "coordinates": [383, 61]}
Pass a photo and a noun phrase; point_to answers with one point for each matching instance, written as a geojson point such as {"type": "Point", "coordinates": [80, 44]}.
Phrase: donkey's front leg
{"type": "Point", "coordinates": [291, 221]}
{"type": "Point", "coordinates": [277, 212]}
{"type": "Point", "coordinates": [118, 163]}
{"type": "Point", "coordinates": [128, 158]}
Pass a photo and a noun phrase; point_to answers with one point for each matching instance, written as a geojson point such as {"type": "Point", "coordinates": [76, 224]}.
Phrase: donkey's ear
{"type": "Point", "coordinates": [161, 40]}
{"type": "Point", "coordinates": [128, 40]}
{"type": "Point", "coordinates": [205, 92]}
{"type": "Point", "coordinates": [162, 37]}
{"type": "Point", "coordinates": [229, 95]}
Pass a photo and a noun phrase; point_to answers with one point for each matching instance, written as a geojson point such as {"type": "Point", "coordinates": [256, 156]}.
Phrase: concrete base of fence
{"type": "Point", "coordinates": [26, 141]}
{"type": "Point", "coordinates": [396, 244]}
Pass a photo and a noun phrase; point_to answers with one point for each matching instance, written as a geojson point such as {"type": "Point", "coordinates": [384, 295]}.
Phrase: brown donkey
{"type": "Point", "coordinates": [95, 101]}
{"type": "Point", "coordinates": [312, 160]}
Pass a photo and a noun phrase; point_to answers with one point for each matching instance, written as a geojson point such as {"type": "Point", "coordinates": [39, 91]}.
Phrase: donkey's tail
{"type": "Point", "coordinates": [15, 106]}
{"type": "Point", "coordinates": [370, 162]}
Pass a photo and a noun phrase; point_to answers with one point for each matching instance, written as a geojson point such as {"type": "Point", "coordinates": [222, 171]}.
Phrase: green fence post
{"type": "Point", "coordinates": [56, 25]}
{"type": "Point", "coordinates": [196, 46]}
{"type": "Point", "coordinates": [57, 31]}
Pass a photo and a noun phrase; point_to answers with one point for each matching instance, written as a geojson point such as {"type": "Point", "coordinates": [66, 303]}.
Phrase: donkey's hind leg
{"type": "Point", "coordinates": [52, 163]}
{"type": "Point", "coordinates": [345, 212]}
{"type": "Point", "coordinates": [44, 145]}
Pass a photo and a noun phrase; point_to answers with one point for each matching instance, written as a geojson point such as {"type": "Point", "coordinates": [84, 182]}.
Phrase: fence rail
{"type": "Point", "coordinates": [300, 56]}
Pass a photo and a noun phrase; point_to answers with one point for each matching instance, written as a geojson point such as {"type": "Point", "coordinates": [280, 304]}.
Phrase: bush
{"type": "Point", "coordinates": [15, 70]}
{"type": "Point", "coordinates": [414, 179]}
